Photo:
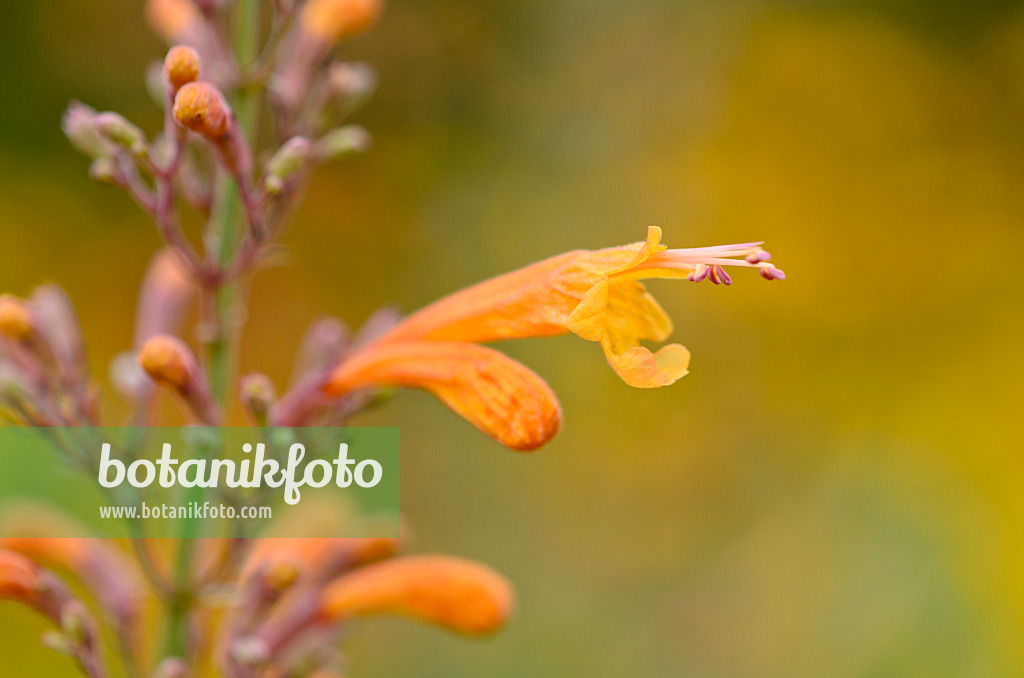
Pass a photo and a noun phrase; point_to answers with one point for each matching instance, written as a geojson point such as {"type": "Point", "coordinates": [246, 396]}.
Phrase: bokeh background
{"type": "Point", "coordinates": [837, 488]}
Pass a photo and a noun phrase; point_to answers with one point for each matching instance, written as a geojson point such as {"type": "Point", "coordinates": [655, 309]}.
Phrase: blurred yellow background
{"type": "Point", "coordinates": [837, 488]}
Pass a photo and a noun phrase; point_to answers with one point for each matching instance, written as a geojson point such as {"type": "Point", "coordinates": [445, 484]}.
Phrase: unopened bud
{"type": "Point", "coordinates": [103, 170]}
{"type": "Point", "coordinates": [289, 159]}
{"type": "Point", "coordinates": [250, 652]}
{"type": "Point", "coordinates": [351, 82]}
{"type": "Point", "coordinates": [343, 141]}
{"type": "Point", "coordinates": [181, 66]}
{"type": "Point", "coordinates": [72, 622]}
{"type": "Point", "coordinates": [171, 668]}
{"type": "Point", "coordinates": [79, 125]}
{"type": "Point", "coordinates": [56, 641]}
{"type": "Point", "coordinates": [332, 20]}
{"type": "Point", "coordinates": [121, 132]}
{"type": "Point", "coordinates": [15, 319]}
{"type": "Point", "coordinates": [200, 107]}
{"type": "Point", "coordinates": [169, 361]}
{"type": "Point", "coordinates": [257, 394]}
{"type": "Point", "coordinates": [172, 19]}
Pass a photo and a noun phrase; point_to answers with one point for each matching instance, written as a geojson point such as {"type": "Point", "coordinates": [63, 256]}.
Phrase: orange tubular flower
{"type": "Point", "coordinates": [460, 595]}
{"type": "Point", "coordinates": [596, 295]}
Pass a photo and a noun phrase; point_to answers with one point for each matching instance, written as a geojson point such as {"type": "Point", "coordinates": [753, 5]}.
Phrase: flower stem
{"type": "Point", "coordinates": [220, 347]}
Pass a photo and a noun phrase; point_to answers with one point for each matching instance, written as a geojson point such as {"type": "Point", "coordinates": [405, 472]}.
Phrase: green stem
{"type": "Point", "coordinates": [220, 350]}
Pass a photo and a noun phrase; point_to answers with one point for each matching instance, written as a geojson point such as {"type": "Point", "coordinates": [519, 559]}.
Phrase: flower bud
{"type": "Point", "coordinates": [174, 20]}
{"type": "Point", "coordinates": [58, 324]}
{"type": "Point", "coordinates": [79, 125]}
{"type": "Point", "coordinates": [352, 82]}
{"type": "Point", "coordinates": [15, 319]}
{"type": "Point", "coordinates": [200, 107]}
{"type": "Point", "coordinates": [289, 159]}
{"type": "Point", "coordinates": [257, 393]}
{"type": "Point", "coordinates": [171, 668]}
{"type": "Point", "coordinates": [343, 88]}
{"type": "Point", "coordinates": [164, 299]}
{"type": "Point", "coordinates": [121, 132]}
{"type": "Point", "coordinates": [342, 142]}
{"type": "Point", "coordinates": [167, 360]}
{"type": "Point", "coordinates": [181, 66]}
{"type": "Point", "coordinates": [104, 170]}
{"type": "Point", "coordinates": [170, 362]}
{"type": "Point", "coordinates": [331, 20]}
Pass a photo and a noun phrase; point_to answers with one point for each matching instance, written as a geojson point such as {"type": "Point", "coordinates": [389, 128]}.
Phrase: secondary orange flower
{"type": "Point", "coordinates": [458, 594]}
{"type": "Point", "coordinates": [596, 295]}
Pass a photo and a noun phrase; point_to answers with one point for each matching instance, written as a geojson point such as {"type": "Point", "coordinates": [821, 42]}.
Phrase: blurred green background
{"type": "Point", "coordinates": [837, 488]}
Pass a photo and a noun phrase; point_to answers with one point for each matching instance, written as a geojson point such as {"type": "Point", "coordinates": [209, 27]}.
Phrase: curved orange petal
{"type": "Point", "coordinates": [496, 394]}
{"type": "Point", "coordinates": [530, 302]}
{"type": "Point", "coordinates": [457, 594]}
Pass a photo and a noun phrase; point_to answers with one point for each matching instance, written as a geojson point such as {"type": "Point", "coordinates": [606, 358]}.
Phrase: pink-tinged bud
{"type": "Point", "coordinates": [171, 668]}
{"type": "Point", "coordinates": [122, 133]}
{"type": "Point", "coordinates": [289, 159]}
{"type": "Point", "coordinates": [15, 320]}
{"type": "Point", "coordinates": [343, 142]}
{"type": "Point", "coordinates": [256, 392]}
{"type": "Point", "coordinates": [58, 323]}
{"type": "Point", "coordinates": [321, 347]}
{"type": "Point", "coordinates": [170, 362]}
{"type": "Point", "coordinates": [200, 107]}
{"type": "Point", "coordinates": [164, 299]}
{"type": "Point", "coordinates": [350, 82]}
{"type": "Point", "coordinates": [181, 66]}
{"type": "Point", "coordinates": [332, 20]}
{"type": "Point", "coordinates": [174, 20]}
{"type": "Point", "coordinates": [79, 125]}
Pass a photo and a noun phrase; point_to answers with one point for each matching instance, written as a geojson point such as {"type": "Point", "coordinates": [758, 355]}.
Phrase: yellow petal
{"type": "Point", "coordinates": [621, 312]}
{"type": "Point", "coordinates": [496, 394]}
{"type": "Point", "coordinates": [458, 594]}
{"type": "Point", "coordinates": [640, 368]}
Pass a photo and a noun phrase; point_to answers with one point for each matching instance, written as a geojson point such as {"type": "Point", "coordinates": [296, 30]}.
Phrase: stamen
{"type": "Point", "coordinates": [770, 272]}
{"type": "Point", "coordinates": [710, 262]}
